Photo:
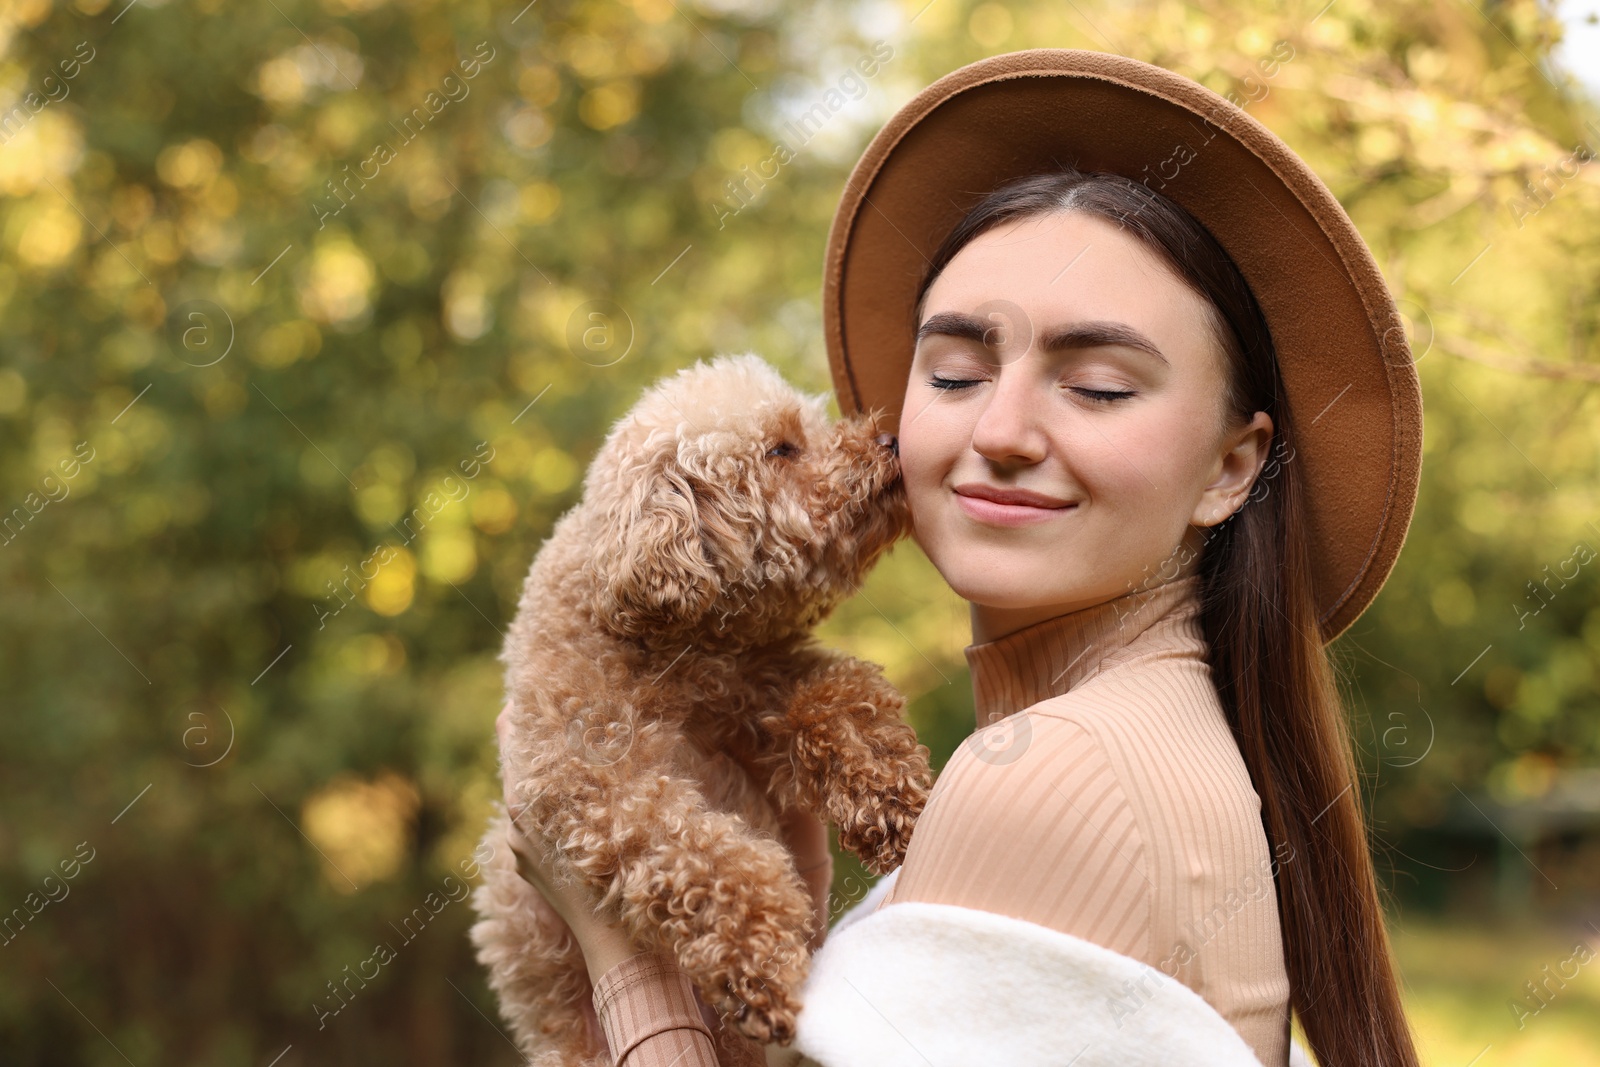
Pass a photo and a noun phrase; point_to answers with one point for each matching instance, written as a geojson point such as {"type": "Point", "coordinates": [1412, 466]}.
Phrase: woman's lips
{"type": "Point", "coordinates": [997, 514]}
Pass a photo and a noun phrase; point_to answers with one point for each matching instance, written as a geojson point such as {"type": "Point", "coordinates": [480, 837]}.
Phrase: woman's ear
{"type": "Point", "coordinates": [649, 561]}
{"type": "Point", "coordinates": [1234, 477]}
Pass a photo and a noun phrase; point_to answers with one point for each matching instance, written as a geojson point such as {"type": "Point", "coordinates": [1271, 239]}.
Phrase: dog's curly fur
{"type": "Point", "coordinates": [670, 703]}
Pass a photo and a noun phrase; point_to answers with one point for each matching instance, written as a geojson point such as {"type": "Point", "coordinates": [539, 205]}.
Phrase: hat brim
{"type": "Point", "coordinates": [1352, 386]}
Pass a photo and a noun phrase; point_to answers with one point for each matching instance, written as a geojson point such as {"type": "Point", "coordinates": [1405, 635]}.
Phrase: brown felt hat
{"type": "Point", "coordinates": [1352, 386]}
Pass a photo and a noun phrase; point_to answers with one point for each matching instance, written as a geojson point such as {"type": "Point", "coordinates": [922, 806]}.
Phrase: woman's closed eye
{"type": "Point", "coordinates": [1102, 396]}
{"type": "Point", "coordinates": [1099, 396]}
{"type": "Point", "coordinates": [952, 383]}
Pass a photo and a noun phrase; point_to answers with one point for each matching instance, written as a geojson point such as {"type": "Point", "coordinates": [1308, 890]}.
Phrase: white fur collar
{"type": "Point", "coordinates": [932, 985]}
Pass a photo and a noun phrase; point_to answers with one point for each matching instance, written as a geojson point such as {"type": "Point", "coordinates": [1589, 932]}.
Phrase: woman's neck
{"type": "Point", "coordinates": [1058, 654]}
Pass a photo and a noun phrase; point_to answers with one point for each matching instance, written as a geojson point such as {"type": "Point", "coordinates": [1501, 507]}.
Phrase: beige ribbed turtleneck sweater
{"type": "Point", "coordinates": [1102, 795]}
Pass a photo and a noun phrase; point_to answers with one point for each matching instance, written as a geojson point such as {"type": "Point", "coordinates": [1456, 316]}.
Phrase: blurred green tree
{"type": "Point", "coordinates": [314, 310]}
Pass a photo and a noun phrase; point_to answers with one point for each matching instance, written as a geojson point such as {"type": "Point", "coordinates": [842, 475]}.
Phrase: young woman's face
{"type": "Point", "coordinates": [1058, 356]}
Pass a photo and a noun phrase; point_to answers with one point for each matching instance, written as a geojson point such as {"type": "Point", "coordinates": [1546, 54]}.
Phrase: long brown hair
{"type": "Point", "coordinates": [1259, 615]}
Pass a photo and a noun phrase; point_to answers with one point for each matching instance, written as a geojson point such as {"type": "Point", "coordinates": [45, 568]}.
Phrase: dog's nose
{"type": "Point", "coordinates": [889, 441]}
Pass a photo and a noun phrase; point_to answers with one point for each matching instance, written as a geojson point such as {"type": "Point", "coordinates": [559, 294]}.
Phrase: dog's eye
{"type": "Point", "coordinates": [782, 449]}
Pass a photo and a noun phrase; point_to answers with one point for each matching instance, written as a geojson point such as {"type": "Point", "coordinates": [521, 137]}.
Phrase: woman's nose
{"type": "Point", "coordinates": [1009, 427]}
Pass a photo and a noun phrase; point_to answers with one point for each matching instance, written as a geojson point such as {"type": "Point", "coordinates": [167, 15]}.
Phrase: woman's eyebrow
{"type": "Point", "coordinates": [954, 324]}
{"type": "Point", "coordinates": [1096, 334]}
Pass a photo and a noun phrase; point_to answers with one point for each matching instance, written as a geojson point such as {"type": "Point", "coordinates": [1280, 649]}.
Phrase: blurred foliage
{"type": "Point", "coordinates": [1467, 991]}
{"type": "Point", "coordinates": [312, 312]}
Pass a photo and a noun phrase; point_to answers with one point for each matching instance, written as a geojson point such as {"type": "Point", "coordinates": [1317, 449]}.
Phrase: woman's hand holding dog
{"type": "Point", "coordinates": [605, 945]}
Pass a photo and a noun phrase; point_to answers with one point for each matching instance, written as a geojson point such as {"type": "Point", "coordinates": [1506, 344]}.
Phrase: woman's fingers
{"type": "Point", "coordinates": [807, 838]}
{"type": "Point", "coordinates": [566, 897]}
{"type": "Point", "coordinates": [536, 865]}
{"type": "Point", "coordinates": [502, 723]}
{"type": "Point", "coordinates": [502, 728]}
{"type": "Point", "coordinates": [603, 944]}
{"type": "Point", "coordinates": [530, 864]}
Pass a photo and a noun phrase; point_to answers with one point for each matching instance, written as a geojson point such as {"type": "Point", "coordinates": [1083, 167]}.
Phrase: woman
{"type": "Point", "coordinates": [1123, 443]}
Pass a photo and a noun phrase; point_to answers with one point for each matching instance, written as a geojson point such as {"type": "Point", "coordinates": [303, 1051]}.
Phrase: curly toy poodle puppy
{"type": "Point", "coordinates": [670, 703]}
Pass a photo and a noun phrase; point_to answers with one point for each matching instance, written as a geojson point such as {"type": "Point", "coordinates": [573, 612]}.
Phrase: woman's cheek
{"type": "Point", "coordinates": [926, 518]}
{"type": "Point", "coordinates": [922, 459]}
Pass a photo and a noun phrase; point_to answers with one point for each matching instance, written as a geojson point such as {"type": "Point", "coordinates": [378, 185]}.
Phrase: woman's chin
{"type": "Point", "coordinates": [1005, 592]}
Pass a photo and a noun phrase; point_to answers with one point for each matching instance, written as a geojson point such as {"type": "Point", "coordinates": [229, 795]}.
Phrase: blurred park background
{"type": "Point", "coordinates": [288, 287]}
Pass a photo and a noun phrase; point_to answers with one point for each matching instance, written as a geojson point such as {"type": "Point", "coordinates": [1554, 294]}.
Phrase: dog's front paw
{"type": "Point", "coordinates": [900, 818]}
{"type": "Point", "coordinates": [766, 1012]}
{"type": "Point", "coordinates": [879, 836]}
{"type": "Point", "coordinates": [760, 981]}
{"type": "Point", "coordinates": [877, 814]}
{"type": "Point", "coordinates": [744, 943]}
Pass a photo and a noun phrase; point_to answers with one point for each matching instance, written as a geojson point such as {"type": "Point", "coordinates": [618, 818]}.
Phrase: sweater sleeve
{"type": "Point", "coordinates": [650, 1016]}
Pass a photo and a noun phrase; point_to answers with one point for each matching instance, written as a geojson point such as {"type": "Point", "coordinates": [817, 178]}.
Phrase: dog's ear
{"type": "Point", "coordinates": [650, 561]}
